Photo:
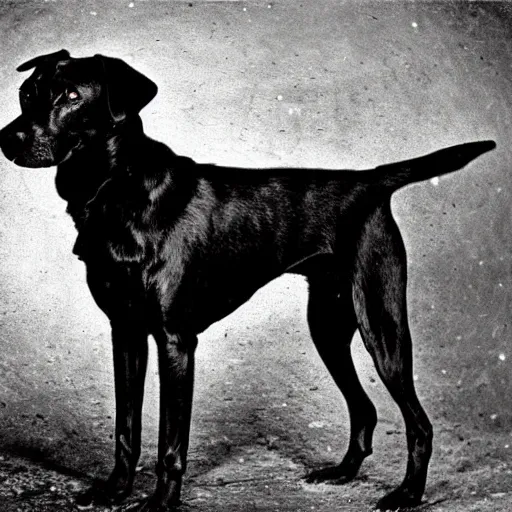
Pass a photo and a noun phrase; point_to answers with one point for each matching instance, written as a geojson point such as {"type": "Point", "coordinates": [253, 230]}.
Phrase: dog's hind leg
{"type": "Point", "coordinates": [380, 282]}
{"type": "Point", "coordinates": [332, 323]}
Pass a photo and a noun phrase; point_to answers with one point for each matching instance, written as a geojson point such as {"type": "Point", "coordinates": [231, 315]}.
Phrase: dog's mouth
{"type": "Point", "coordinates": [37, 154]}
{"type": "Point", "coordinates": [30, 164]}
{"type": "Point", "coordinates": [27, 144]}
{"type": "Point", "coordinates": [28, 160]}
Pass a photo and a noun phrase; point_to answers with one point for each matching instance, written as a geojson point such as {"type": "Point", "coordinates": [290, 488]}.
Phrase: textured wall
{"type": "Point", "coordinates": [325, 83]}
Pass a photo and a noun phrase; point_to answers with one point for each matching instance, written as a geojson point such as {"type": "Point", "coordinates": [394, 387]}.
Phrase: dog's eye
{"type": "Point", "coordinates": [72, 95]}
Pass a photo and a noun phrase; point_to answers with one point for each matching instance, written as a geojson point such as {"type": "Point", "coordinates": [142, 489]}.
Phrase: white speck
{"type": "Point", "coordinates": [443, 372]}
{"type": "Point", "coordinates": [498, 189]}
{"type": "Point", "coordinates": [507, 446]}
{"type": "Point", "coordinates": [279, 98]}
{"type": "Point", "coordinates": [269, 6]}
{"type": "Point", "coordinates": [493, 416]}
{"type": "Point", "coordinates": [502, 357]}
{"type": "Point", "coordinates": [93, 13]}
{"type": "Point", "coordinates": [500, 285]}
{"type": "Point", "coordinates": [244, 9]}
{"type": "Point", "coordinates": [481, 262]}
{"type": "Point", "coordinates": [458, 338]}
{"type": "Point", "coordinates": [290, 111]}
{"type": "Point", "coordinates": [329, 449]}
{"type": "Point", "coordinates": [414, 24]}
{"type": "Point", "coordinates": [435, 181]}
{"type": "Point", "coordinates": [432, 307]}
{"type": "Point", "coordinates": [131, 4]}
{"type": "Point", "coordinates": [415, 377]}
{"type": "Point", "coordinates": [285, 405]}
{"type": "Point", "coordinates": [53, 488]}
{"type": "Point", "coordinates": [241, 461]}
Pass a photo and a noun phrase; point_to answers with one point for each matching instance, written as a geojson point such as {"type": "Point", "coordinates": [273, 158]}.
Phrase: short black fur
{"type": "Point", "coordinates": [172, 246]}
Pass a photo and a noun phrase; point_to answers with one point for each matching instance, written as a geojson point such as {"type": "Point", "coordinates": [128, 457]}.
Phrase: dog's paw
{"type": "Point", "coordinates": [103, 493]}
{"type": "Point", "coordinates": [400, 498]}
{"type": "Point", "coordinates": [151, 505]}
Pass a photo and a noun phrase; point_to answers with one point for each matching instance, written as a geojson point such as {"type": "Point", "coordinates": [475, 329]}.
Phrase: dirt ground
{"type": "Point", "coordinates": [274, 83]}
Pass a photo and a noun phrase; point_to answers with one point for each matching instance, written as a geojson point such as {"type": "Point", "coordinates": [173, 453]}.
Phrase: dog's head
{"type": "Point", "coordinates": [67, 102]}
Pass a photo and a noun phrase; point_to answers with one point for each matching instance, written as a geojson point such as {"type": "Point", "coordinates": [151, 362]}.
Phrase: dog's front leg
{"type": "Point", "coordinates": [130, 360]}
{"type": "Point", "coordinates": [176, 368]}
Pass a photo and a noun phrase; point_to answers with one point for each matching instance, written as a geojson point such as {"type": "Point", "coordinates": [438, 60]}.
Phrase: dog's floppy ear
{"type": "Point", "coordinates": [127, 90]}
{"type": "Point", "coordinates": [41, 59]}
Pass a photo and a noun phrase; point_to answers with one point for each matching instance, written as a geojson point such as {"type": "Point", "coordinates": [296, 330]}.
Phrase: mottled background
{"type": "Point", "coordinates": [254, 83]}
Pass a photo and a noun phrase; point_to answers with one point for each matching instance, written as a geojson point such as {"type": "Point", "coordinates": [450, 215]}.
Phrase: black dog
{"type": "Point", "coordinates": [172, 246]}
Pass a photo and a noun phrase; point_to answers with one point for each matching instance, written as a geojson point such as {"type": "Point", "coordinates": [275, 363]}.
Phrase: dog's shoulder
{"type": "Point", "coordinates": [133, 208]}
{"type": "Point", "coordinates": [105, 229]}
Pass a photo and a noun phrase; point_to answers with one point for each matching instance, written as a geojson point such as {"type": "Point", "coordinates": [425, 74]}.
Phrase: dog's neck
{"type": "Point", "coordinates": [80, 176]}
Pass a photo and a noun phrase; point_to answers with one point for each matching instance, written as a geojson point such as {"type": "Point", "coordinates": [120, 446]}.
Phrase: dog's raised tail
{"type": "Point", "coordinates": [397, 175]}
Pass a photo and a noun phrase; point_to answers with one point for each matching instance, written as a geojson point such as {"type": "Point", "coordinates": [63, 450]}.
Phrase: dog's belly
{"type": "Point", "coordinates": [193, 294]}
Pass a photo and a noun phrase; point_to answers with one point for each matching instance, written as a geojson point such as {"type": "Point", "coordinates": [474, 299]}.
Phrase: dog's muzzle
{"type": "Point", "coordinates": [26, 146]}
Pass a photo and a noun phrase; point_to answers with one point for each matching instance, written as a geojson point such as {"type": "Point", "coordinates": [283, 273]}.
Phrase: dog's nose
{"type": "Point", "coordinates": [8, 137]}
{"type": "Point", "coordinates": [11, 141]}
{"type": "Point", "coordinates": [4, 136]}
